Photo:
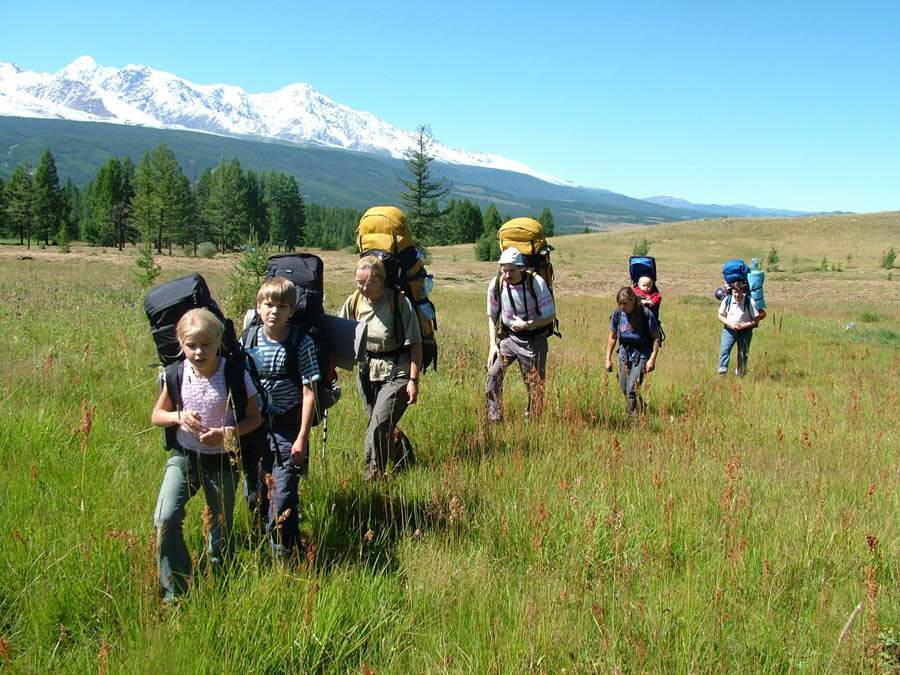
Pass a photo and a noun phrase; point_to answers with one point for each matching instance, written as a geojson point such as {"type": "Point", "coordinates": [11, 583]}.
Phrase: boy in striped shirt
{"type": "Point", "coordinates": [277, 352]}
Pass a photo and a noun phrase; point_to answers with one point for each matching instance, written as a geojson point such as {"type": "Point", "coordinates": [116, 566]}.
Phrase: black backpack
{"type": "Point", "coordinates": [307, 272]}
{"type": "Point", "coordinates": [164, 306]}
{"type": "Point", "coordinates": [167, 303]}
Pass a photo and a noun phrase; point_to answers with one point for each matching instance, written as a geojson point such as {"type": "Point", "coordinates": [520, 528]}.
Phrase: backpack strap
{"type": "Point", "coordinates": [237, 388]}
{"type": "Point", "coordinates": [173, 374]}
{"type": "Point", "coordinates": [354, 305]}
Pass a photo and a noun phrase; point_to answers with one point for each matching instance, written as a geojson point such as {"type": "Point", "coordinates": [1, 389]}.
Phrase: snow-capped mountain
{"type": "Point", "coordinates": [86, 91]}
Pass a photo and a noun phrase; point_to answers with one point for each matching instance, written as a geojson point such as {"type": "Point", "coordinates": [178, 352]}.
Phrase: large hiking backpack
{"type": "Point", "coordinates": [167, 303]}
{"type": "Point", "coordinates": [384, 232]}
{"type": "Point", "coordinates": [735, 270]}
{"type": "Point", "coordinates": [164, 306]}
{"type": "Point", "coordinates": [526, 235]}
{"type": "Point", "coordinates": [307, 272]}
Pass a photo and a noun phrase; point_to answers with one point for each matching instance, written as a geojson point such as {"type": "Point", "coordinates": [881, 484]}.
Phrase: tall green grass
{"type": "Point", "coordinates": [733, 528]}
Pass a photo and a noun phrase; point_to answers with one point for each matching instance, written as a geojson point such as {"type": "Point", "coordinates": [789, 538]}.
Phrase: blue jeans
{"type": "Point", "coordinates": [185, 472]}
{"type": "Point", "coordinates": [283, 501]}
{"type": "Point", "coordinates": [730, 337]}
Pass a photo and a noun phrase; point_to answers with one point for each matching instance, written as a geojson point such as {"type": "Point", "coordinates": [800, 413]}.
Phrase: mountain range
{"type": "Point", "coordinates": [138, 105]}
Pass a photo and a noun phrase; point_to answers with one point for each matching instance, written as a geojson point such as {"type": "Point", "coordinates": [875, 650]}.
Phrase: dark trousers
{"type": "Point", "coordinates": [283, 524]}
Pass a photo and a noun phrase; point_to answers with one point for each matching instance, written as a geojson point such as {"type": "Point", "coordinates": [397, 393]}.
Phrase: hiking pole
{"type": "Point", "coordinates": [324, 440]}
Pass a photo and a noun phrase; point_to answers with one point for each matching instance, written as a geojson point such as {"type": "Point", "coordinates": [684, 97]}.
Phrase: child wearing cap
{"type": "Point", "coordinates": [520, 315]}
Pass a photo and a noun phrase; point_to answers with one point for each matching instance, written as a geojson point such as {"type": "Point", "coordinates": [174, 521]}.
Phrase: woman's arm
{"type": "Point", "coordinates": [609, 349]}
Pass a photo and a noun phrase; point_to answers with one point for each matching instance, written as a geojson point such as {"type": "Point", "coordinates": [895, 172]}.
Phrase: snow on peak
{"type": "Point", "coordinates": [137, 94]}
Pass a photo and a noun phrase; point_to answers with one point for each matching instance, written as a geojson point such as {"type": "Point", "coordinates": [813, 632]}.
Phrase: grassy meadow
{"type": "Point", "coordinates": [736, 527]}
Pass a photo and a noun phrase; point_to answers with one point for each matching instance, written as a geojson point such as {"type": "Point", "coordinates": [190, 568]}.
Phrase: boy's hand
{"type": "Point", "coordinates": [298, 453]}
{"type": "Point", "coordinates": [412, 392]}
{"type": "Point", "coordinates": [493, 353]}
{"type": "Point", "coordinates": [518, 324]}
{"type": "Point", "coordinates": [651, 364]}
{"type": "Point", "coordinates": [608, 366]}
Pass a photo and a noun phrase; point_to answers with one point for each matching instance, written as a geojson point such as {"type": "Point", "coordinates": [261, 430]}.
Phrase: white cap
{"type": "Point", "coordinates": [511, 256]}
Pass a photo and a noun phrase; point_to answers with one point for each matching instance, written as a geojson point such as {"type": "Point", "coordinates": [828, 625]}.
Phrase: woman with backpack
{"type": "Point", "coordinates": [739, 316]}
{"type": "Point", "coordinates": [388, 379]}
{"type": "Point", "coordinates": [636, 330]}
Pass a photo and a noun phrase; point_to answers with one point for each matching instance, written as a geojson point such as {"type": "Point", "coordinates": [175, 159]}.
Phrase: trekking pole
{"type": "Point", "coordinates": [324, 440]}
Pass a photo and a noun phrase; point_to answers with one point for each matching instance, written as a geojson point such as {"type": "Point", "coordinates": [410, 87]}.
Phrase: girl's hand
{"type": "Point", "coordinates": [608, 366]}
{"type": "Point", "coordinates": [651, 364]}
{"type": "Point", "coordinates": [191, 421]}
{"type": "Point", "coordinates": [212, 438]}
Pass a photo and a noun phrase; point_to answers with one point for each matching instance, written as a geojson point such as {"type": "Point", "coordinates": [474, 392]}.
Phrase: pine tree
{"type": "Point", "coordinates": [226, 208]}
{"type": "Point", "coordinates": [71, 213]}
{"type": "Point", "coordinates": [422, 194]}
{"type": "Point", "coordinates": [110, 206]}
{"type": "Point", "coordinates": [546, 220]}
{"type": "Point", "coordinates": [49, 198]}
{"type": "Point", "coordinates": [487, 247]}
{"type": "Point", "coordinates": [287, 212]}
{"type": "Point", "coordinates": [21, 204]}
{"type": "Point", "coordinates": [3, 224]}
{"type": "Point", "coordinates": [162, 198]}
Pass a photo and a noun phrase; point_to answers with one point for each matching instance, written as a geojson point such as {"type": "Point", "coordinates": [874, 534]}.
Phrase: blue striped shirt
{"type": "Point", "coordinates": [269, 358]}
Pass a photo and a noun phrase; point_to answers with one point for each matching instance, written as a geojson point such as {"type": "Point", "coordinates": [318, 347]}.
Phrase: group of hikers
{"type": "Point", "coordinates": [206, 403]}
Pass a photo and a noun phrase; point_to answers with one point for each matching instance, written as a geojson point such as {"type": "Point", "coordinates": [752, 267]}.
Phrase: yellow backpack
{"type": "Point", "coordinates": [526, 235]}
{"type": "Point", "coordinates": [384, 232]}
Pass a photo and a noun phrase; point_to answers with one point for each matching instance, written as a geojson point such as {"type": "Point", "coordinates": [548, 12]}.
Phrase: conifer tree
{"type": "Point", "coordinates": [162, 197]}
{"type": "Point", "coordinates": [422, 194]}
{"type": "Point", "coordinates": [48, 197]}
{"type": "Point", "coordinates": [547, 222]}
{"type": "Point", "coordinates": [3, 224]}
{"type": "Point", "coordinates": [21, 204]}
{"type": "Point", "coordinates": [287, 212]}
{"type": "Point", "coordinates": [226, 208]}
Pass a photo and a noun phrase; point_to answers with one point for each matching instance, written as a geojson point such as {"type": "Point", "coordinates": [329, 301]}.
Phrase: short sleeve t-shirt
{"type": "Point", "coordinates": [634, 331]}
{"type": "Point", "coordinates": [208, 397]}
{"type": "Point", "coordinates": [270, 360]}
{"type": "Point", "coordinates": [517, 300]}
{"type": "Point", "coordinates": [742, 312]}
{"type": "Point", "coordinates": [381, 333]}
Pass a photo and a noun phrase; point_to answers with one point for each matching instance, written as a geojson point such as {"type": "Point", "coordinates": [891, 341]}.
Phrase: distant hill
{"type": "Point", "coordinates": [326, 175]}
{"type": "Point", "coordinates": [730, 210]}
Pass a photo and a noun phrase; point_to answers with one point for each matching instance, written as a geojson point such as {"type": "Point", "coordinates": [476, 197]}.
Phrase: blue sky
{"type": "Point", "coordinates": [779, 104]}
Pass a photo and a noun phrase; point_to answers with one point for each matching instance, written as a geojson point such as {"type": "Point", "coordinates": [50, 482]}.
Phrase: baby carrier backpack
{"type": "Point", "coordinates": [307, 272]}
{"type": "Point", "coordinates": [645, 266]}
{"type": "Point", "coordinates": [384, 232]}
{"type": "Point", "coordinates": [526, 235]}
{"type": "Point", "coordinates": [164, 306]}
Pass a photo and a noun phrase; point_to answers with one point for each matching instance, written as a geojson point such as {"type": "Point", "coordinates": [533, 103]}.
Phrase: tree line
{"type": "Point", "coordinates": [154, 202]}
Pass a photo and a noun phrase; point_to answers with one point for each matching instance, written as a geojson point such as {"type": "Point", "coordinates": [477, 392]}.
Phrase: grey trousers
{"type": "Point", "coordinates": [186, 472]}
{"type": "Point", "coordinates": [385, 403]}
{"type": "Point", "coordinates": [531, 354]}
{"type": "Point", "coordinates": [631, 375]}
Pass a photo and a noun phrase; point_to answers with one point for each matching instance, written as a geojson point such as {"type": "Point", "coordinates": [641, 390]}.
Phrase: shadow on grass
{"type": "Point", "coordinates": [362, 523]}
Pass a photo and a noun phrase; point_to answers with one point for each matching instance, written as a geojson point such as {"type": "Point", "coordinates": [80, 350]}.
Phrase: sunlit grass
{"type": "Point", "coordinates": [733, 529]}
